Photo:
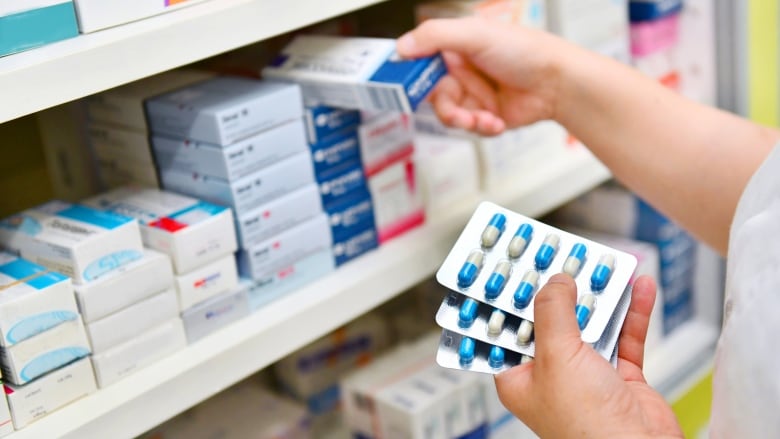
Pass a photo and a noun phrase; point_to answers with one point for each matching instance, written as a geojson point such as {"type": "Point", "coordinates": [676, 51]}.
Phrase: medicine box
{"type": "Point", "coordinates": [224, 110]}
{"type": "Point", "coordinates": [215, 313]}
{"type": "Point", "coordinates": [398, 202]}
{"type": "Point", "coordinates": [190, 231]}
{"type": "Point", "coordinates": [599, 25]}
{"type": "Point", "coordinates": [278, 215]}
{"type": "Point", "coordinates": [75, 240]}
{"type": "Point", "coordinates": [28, 24]}
{"type": "Point", "coordinates": [32, 299]}
{"type": "Point", "coordinates": [357, 73]}
{"type": "Point", "coordinates": [246, 193]}
{"type": "Point", "coordinates": [99, 14]}
{"type": "Point", "coordinates": [529, 13]}
{"type": "Point", "coordinates": [123, 106]}
{"type": "Point", "coordinates": [127, 323]}
{"type": "Point", "coordinates": [207, 281]}
{"type": "Point", "coordinates": [119, 172]}
{"type": "Point", "coordinates": [6, 424]}
{"type": "Point", "coordinates": [651, 10]}
{"type": "Point", "coordinates": [352, 247]}
{"type": "Point", "coordinates": [110, 143]}
{"type": "Point", "coordinates": [288, 278]}
{"type": "Point", "coordinates": [234, 161]}
{"type": "Point", "coordinates": [339, 182]}
{"type": "Point", "coordinates": [351, 214]}
{"type": "Point", "coordinates": [44, 352]}
{"type": "Point", "coordinates": [335, 150]}
{"type": "Point", "coordinates": [129, 284]}
{"type": "Point", "coordinates": [323, 121]}
{"type": "Point", "coordinates": [37, 399]}
{"type": "Point", "coordinates": [285, 248]}
{"type": "Point", "coordinates": [135, 354]}
{"type": "Point", "coordinates": [449, 171]}
{"type": "Point", "coordinates": [385, 140]}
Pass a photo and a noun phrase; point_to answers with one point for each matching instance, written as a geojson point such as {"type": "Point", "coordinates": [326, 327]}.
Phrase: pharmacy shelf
{"type": "Point", "coordinates": [214, 363]}
{"type": "Point", "coordinates": [51, 75]}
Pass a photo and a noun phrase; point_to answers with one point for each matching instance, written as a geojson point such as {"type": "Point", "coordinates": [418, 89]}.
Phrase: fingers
{"type": "Point", "coordinates": [472, 81]}
{"type": "Point", "coordinates": [458, 35]}
{"type": "Point", "coordinates": [555, 325]}
{"type": "Point", "coordinates": [631, 347]}
{"type": "Point", "coordinates": [459, 110]}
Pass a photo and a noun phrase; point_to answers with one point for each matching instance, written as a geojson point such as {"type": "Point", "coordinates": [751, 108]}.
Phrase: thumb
{"type": "Point", "coordinates": [555, 324]}
{"type": "Point", "coordinates": [514, 389]}
{"type": "Point", "coordinates": [460, 35]}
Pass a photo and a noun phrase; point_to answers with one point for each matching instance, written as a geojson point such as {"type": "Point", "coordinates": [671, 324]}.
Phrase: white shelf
{"type": "Point", "coordinates": [61, 72]}
{"type": "Point", "coordinates": [214, 363]}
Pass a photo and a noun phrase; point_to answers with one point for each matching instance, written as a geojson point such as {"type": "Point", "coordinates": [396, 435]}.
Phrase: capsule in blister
{"type": "Point", "coordinates": [493, 230]}
{"type": "Point", "coordinates": [602, 273]}
{"type": "Point", "coordinates": [526, 359]}
{"type": "Point", "coordinates": [498, 279]}
{"type": "Point", "coordinates": [547, 252]}
{"type": "Point", "coordinates": [584, 309]}
{"type": "Point", "coordinates": [520, 241]}
{"type": "Point", "coordinates": [525, 291]}
{"type": "Point", "coordinates": [470, 270]}
{"type": "Point", "coordinates": [525, 332]}
{"type": "Point", "coordinates": [576, 259]}
{"type": "Point", "coordinates": [468, 313]}
{"type": "Point", "coordinates": [496, 357]}
{"type": "Point", "coordinates": [466, 351]}
{"type": "Point", "coordinates": [496, 323]}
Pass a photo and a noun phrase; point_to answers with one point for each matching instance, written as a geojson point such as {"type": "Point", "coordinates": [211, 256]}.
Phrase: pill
{"type": "Point", "coordinates": [546, 253]}
{"type": "Point", "coordinates": [525, 291]}
{"type": "Point", "coordinates": [497, 279]}
{"type": "Point", "coordinates": [584, 309]}
{"type": "Point", "coordinates": [525, 332]}
{"type": "Point", "coordinates": [470, 270]}
{"type": "Point", "coordinates": [466, 351]}
{"type": "Point", "coordinates": [520, 241]}
{"type": "Point", "coordinates": [496, 323]}
{"type": "Point", "coordinates": [493, 230]}
{"type": "Point", "coordinates": [603, 271]}
{"type": "Point", "coordinates": [496, 357]}
{"type": "Point", "coordinates": [526, 359]}
{"type": "Point", "coordinates": [468, 313]}
{"type": "Point", "coordinates": [575, 260]}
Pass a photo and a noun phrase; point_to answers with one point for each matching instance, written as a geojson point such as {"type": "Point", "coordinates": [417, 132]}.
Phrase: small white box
{"type": "Point", "coordinates": [125, 324]}
{"type": "Point", "coordinates": [139, 352]}
{"type": "Point", "coordinates": [75, 240]}
{"type": "Point", "coordinates": [99, 14]}
{"type": "Point", "coordinates": [246, 193]}
{"type": "Point", "coordinates": [35, 400]}
{"type": "Point", "coordinates": [234, 161]}
{"type": "Point", "coordinates": [49, 350]}
{"type": "Point", "coordinates": [6, 424]}
{"type": "Point", "coordinates": [448, 169]}
{"type": "Point", "coordinates": [278, 215]}
{"type": "Point", "coordinates": [120, 172]}
{"type": "Point", "coordinates": [207, 281]}
{"type": "Point", "coordinates": [110, 143]}
{"type": "Point", "coordinates": [215, 313]}
{"type": "Point", "coordinates": [124, 106]}
{"type": "Point", "coordinates": [32, 299]}
{"type": "Point", "coordinates": [384, 141]}
{"type": "Point", "coordinates": [224, 110]}
{"type": "Point", "coordinates": [190, 231]}
{"type": "Point", "coordinates": [529, 13]}
{"type": "Point", "coordinates": [398, 201]}
{"type": "Point", "coordinates": [128, 285]}
{"type": "Point", "coordinates": [599, 25]}
{"type": "Point", "coordinates": [284, 249]}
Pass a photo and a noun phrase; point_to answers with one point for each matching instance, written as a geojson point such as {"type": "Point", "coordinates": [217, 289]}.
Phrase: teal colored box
{"type": "Point", "coordinates": [32, 28]}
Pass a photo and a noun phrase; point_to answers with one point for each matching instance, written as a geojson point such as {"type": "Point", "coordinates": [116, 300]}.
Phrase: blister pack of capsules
{"type": "Point", "coordinates": [496, 267]}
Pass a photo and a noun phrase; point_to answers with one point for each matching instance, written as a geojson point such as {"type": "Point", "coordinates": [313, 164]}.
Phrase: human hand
{"type": "Point", "coordinates": [569, 391]}
{"type": "Point", "coordinates": [500, 75]}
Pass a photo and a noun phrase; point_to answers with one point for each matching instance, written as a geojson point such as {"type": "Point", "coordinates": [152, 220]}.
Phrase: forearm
{"type": "Point", "coordinates": [690, 161]}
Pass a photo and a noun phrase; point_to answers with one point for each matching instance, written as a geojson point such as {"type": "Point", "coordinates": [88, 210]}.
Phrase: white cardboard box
{"type": "Point", "coordinates": [224, 110]}
{"type": "Point", "coordinates": [127, 323]}
{"type": "Point", "coordinates": [99, 14]}
{"type": "Point", "coordinates": [138, 352]}
{"type": "Point", "coordinates": [6, 424]}
{"type": "Point", "coordinates": [111, 143]}
{"type": "Point", "coordinates": [128, 285]}
{"type": "Point", "coordinates": [529, 13]}
{"type": "Point", "coordinates": [35, 400]}
{"type": "Point", "coordinates": [599, 25]}
{"type": "Point", "coordinates": [448, 169]}
{"type": "Point", "coordinates": [190, 231]}
{"type": "Point", "coordinates": [398, 200]}
{"type": "Point", "coordinates": [75, 240]}
{"type": "Point", "coordinates": [118, 172]}
{"type": "Point", "coordinates": [207, 281]}
{"type": "Point", "coordinates": [49, 350]}
{"type": "Point", "coordinates": [215, 313]}
{"type": "Point", "coordinates": [385, 140]}
{"type": "Point", "coordinates": [32, 299]}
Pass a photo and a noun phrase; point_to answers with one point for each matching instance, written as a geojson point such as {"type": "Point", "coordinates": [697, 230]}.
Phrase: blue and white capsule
{"type": "Point", "coordinates": [584, 309]}
{"type": "Point", "coordinates": [525, 333]}
{"type": "Point", "coordinates": [526, 290]}
{"type": "Point", "coordinates": [520, 241]}
{"type": "Point", "coordinates": [496, 323]}
{"type": "Point", "coordinates": [498, 279]}
{"type": "Point", "coordinates": [493, 230]}
{"type": "Point", "coordinates": [466, 351]}
{"type": "Point", "coordinates": [546, 253]}
{"type": "Point", "coordinates": [470, 270]}
{"type": "Point", "coordinates": [576, 260]}
{"type": "Point", "coordinates": [525, 359]}
{"type": "Point", "coordinates": [496, 357]}
{"type": "Point", "coordinates": [603, 272]}
{"type": "Point", "coordinates": [468, 313]}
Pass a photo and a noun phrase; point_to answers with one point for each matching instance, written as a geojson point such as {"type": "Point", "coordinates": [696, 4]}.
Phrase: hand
{"type": "Point", "coordinates": [569, 391]}
{"type": "Point", "coordinates": [500, 75]}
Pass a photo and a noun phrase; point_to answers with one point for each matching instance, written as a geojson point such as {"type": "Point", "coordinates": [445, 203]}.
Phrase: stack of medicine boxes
{"type": "Point", "coordinates": [241, 143]}
{"type": "Point", "coordinates": [117, 130]}
{"type": "Point", "coordinates": [335, 146]}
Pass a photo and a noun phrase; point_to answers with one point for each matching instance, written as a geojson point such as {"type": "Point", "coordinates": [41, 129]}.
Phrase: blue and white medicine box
{"type": "Point", "coordinates": [342, 181]}
{"type": "Point", "coordinates": [357, 73]}
{"type": "Point", "coordinates": [652, 10]}
{"type": "Point", "coordinates": [76, 240]}
{"type": "Point", "coordinates": [215, 313]}
{"type": "Point", "coordinates": [335, 150]}
{"type": "Point", "coordinates": [224, 110]}
{"type": "Point", "coordinates": [355, 246]}
{"type": "Point", "coordinates": [350, 215]}
{"type": "Point", "coordinates": [323, 121]}
{"type": "Point", "coordinates": [32, 299]}
{"type": "Point", "coordinates": [28, 24]}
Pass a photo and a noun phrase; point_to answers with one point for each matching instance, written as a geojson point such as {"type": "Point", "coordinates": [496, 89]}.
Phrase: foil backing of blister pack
{"type": "Point", "coordinates": [449, 357]}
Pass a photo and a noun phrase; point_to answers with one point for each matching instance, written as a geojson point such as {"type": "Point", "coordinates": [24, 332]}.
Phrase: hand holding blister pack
{"type": "Point", "coordinates": [497, 266]}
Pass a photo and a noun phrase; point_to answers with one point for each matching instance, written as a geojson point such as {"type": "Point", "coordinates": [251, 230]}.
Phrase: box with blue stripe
{"type": "Point", "coordinates": [25, 26]}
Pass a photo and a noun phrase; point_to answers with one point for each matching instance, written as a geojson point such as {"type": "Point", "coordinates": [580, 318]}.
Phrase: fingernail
{"type": "Point", "coordinates": [406, 45]}
{"type": "Point", "coordinates": [560, 278]}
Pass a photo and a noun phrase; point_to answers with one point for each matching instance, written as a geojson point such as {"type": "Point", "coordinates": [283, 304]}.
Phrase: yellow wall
{"type": "Point", "coordinates": [763, 73]}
